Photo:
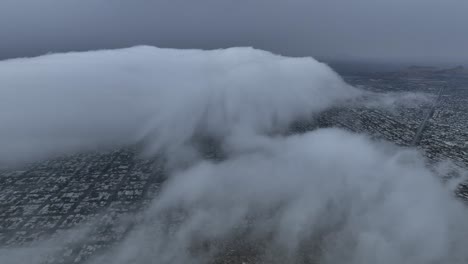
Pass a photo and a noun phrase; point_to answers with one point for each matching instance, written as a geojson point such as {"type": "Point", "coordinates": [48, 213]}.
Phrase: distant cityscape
{"type": "Point", "coordinates": [438, 127]}
{"type": "Point", "coordinates": [441, 122]}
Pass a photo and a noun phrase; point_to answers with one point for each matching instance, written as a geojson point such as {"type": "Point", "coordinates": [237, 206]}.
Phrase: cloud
{"type": "Point", "coordinates": [64, 103]}
{"type": "Point", "coordinates": [327, 196]}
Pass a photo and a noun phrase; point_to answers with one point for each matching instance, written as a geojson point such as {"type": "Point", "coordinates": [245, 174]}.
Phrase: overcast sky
{"type": "Point", "coordinates": [333, 29]}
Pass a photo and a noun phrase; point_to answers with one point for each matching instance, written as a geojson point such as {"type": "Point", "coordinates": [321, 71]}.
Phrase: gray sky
{"type": "Point", "coordinates": [394, 30]}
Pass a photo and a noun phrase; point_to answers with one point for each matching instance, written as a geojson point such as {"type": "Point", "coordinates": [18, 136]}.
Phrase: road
{"type": "Point", "coordinates": [423, 125]}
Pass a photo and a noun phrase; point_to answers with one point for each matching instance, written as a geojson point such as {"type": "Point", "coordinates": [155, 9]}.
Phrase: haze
{"type": "Point", "coordinates": [393, 31]}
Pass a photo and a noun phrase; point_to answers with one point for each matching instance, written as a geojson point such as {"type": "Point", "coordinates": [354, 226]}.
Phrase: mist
{"type": "Point", "coordinates": [326, 196]}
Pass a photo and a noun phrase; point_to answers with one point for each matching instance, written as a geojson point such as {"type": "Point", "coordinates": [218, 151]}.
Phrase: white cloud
{"type": "Point", "coordinates": [79, 101]}
{"type": "Point", "coordinates": [327, 195]}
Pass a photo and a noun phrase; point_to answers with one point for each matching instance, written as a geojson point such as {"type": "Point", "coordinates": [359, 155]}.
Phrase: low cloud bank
{"type": "Point", "coordinates": [327, 196]}
{"type": "Point", "coordinates": [64, 103]}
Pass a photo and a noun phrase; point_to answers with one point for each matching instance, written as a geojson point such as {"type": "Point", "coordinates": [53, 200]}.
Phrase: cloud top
{"type": "Point", "coordinates": [64, 103]}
